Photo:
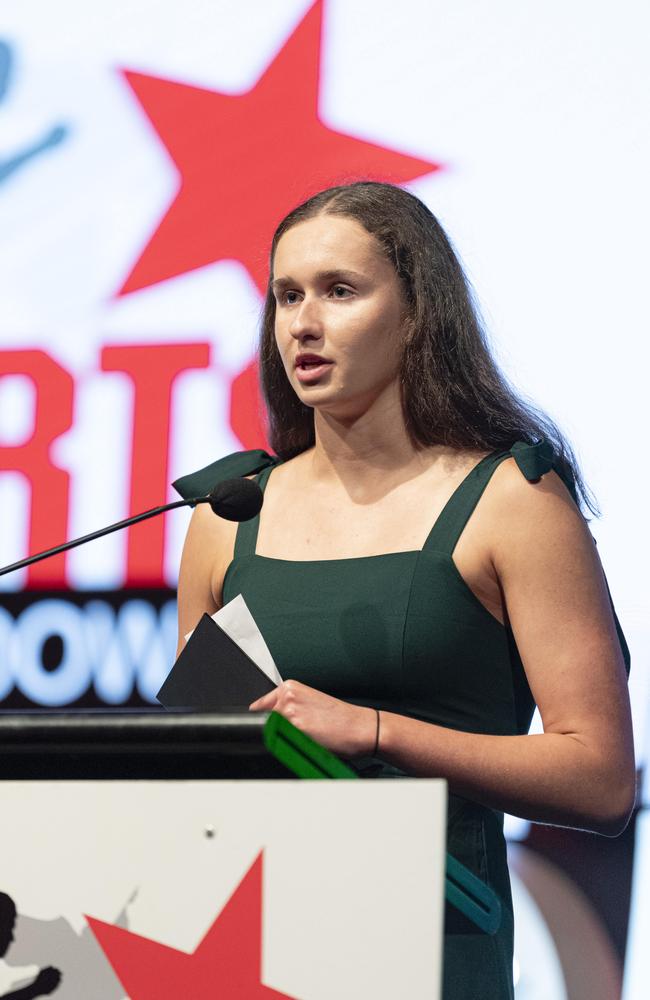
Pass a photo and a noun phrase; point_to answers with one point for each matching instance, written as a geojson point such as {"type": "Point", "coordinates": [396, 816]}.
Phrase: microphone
{"type": "Point", "coordinates": [233, 499]}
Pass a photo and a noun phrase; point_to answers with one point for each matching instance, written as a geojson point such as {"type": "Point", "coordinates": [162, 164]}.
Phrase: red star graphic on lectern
{"type": "Point", "coordinates": [245, 160]}
{"type": "Point", "coordinates": [227, 962]}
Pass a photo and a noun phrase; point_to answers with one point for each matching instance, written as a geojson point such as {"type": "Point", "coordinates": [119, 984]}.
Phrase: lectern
{"type": "Point", "coordinates": [155, 855]}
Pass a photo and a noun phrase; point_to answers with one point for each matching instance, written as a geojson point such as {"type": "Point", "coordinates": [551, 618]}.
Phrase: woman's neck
{"type": "Point", "coordinates": [374, 449]}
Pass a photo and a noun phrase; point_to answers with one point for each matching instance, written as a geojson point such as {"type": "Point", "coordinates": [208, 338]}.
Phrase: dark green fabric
{"type": "Point", "coordinates": [403, 632]}
{"type": "Point", "coordinates": [242, 463]}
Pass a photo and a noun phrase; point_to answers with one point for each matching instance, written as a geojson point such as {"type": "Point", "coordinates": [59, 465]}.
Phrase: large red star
{"type": "Point", "coordinates": [245, 160]}
{"type": "Point", "coordinates": [227, 962]}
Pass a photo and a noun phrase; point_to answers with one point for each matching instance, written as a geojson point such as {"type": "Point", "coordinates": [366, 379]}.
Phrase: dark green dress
{"type": "Point", "coordinates": [402, 632]}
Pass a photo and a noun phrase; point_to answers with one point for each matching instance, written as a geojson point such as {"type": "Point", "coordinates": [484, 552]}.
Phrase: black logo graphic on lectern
{"type": "Point", "coordinates": [71, 964]}
{"type": "Point", "coordinates": [47, 979]}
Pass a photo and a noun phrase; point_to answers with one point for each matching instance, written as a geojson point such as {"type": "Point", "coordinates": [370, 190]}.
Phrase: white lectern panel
{"type": "Point", "coordinates": [307, 890]}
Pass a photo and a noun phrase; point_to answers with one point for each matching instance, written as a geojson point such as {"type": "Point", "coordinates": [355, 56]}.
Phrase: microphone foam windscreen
{"type": "Point", "coordinates": [236, 499]}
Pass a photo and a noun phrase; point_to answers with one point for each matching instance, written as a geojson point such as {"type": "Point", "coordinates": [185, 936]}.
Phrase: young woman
{"type": "Point", "coordinates": [421, 569]}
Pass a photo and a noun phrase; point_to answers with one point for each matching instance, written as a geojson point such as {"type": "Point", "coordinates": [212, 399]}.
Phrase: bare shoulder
{"type": "Point", "coordinates": [521, 510]}
{"type": "Point", "coordinates": [547, 564]}
{"type": "Point", "coordinates": [206, 529]}
{"type": "Point", "coordinates": [510, 480]}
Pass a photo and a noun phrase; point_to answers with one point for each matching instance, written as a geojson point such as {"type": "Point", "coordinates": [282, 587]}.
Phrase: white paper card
{"type": "Point", "coordinates": [237, 622]}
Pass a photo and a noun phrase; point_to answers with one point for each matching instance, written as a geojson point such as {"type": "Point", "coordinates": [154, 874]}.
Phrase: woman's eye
{"type": "Point", "coordinates": [291, 298]}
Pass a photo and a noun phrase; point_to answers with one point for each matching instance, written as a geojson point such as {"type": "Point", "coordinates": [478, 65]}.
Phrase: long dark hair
{"type": "Point", "coordinates": [451, 388]}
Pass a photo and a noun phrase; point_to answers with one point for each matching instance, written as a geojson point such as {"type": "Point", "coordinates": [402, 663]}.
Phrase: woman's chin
{"type": "Point", "coordinates": [348, 407]}
{"type": "Point", "coordinates": [340, 411]}
{"type": "Point", "coordinates": [317, 395]}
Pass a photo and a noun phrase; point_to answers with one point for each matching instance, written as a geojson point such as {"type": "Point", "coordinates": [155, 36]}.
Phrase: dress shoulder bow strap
{"type": "Point", "coordinates": [241, 463]}
{"type": "Point", "coordinates": [535, 460]}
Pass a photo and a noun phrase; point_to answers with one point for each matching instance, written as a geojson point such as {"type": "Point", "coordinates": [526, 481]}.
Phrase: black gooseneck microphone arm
{"type": "Point", "coordinates": [235, 499]}
{"type": "Point", "coordinates": [98, 534]}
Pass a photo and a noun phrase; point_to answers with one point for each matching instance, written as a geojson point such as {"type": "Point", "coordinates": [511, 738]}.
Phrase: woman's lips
{"type": "Point", "coordinates": [310, 370]}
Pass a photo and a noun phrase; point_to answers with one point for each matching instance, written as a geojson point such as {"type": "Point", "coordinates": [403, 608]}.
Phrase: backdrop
{"type": "Point", "coordinates": [146, 152]}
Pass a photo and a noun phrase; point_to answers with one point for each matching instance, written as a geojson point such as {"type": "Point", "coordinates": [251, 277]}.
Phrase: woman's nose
{"type": "Point", "coordinates": [306, 320]}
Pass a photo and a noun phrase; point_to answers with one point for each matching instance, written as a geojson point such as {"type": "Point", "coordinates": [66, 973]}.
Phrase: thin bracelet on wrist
{"type": "Point", "coordinates": [376, 749]}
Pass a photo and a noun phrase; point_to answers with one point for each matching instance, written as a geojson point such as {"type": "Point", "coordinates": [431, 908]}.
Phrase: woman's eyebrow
{"type": "Point", "coordinates": [278, 284]}
{"type": "Point", "coordinates": [337, 274]}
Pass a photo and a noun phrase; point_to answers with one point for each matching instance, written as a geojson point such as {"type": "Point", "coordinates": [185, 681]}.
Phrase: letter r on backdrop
{"type": "Point", "coordinates": [49, 484]}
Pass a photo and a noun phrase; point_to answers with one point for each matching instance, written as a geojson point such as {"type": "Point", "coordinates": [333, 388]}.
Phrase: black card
{"type": "Point", "coordinates": [213, 673]}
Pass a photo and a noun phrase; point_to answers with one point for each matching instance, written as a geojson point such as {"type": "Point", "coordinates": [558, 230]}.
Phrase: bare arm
{"type": "Point", "coordinates": [580, 771]}
{"type": "Point", "coordinates": [206, 554]}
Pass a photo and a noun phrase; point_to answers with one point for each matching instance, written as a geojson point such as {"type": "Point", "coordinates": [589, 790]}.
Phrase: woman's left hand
{"type": "Point", "coordinates": [345, 729]}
